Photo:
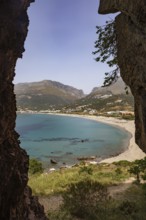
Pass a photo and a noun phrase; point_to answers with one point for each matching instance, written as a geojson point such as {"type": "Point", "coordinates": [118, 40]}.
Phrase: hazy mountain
{"type": "Point", "coordinates": [116, 88]}
{"type": "Point", "coordinates": [104, 99]}
{"type": "Point", "coordinates": [45, 94]}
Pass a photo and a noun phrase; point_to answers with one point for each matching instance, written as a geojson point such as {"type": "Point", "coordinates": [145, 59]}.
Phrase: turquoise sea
{"type": "Point", "coordinates": [65, 138]}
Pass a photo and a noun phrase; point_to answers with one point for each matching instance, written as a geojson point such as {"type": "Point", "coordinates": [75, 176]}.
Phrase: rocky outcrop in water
{"type": "Point", "coordinates": [16, 201]}
{"type": "Point", "coordinates": [131, 44]}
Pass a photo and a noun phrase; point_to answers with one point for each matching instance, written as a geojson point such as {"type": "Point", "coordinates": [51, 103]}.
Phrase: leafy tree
{"type": "Point", "coordinates": [138, 168]}
{"type": "Point", "coordinates": [135, 169]}
{"type": "Point", "coordinates": [106, 49]}
{"type": "Point", "coordinates": [35, 166]}
{"type": "Point", "coordinates": [142, 164]}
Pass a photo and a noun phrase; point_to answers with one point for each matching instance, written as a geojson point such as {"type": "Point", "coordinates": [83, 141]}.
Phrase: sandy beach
{"type": "Point", "coordinates": [133, 152]}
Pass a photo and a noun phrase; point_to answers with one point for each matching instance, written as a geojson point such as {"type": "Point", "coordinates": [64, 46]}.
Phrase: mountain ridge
{"type": "Point", "coordinates": [53, 95]}
{"type": "Point", "coordinates": [45, 94]}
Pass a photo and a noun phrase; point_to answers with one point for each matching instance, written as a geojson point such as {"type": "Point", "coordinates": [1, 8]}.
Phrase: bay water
{"type": "Point", "coordinates": [65, 138]}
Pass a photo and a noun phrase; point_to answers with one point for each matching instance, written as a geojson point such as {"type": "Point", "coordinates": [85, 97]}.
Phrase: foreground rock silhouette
{"type": "Point", "coordinates": [131, 45]}
{"type": "Point", "coordinates": [16, 200]}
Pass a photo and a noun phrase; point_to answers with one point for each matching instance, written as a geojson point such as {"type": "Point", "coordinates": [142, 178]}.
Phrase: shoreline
{"type": "Point", "coordinates": [133, 152]}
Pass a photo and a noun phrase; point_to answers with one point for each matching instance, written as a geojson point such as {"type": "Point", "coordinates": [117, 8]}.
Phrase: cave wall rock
{"type": "Point", "coordinates": [131, 45]}
{"type": "Point", "coordinates": [16, 200]}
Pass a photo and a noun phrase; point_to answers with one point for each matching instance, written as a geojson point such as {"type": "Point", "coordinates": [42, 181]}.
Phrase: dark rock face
{"type": "Point", "coordinates": [131, 44]}
{"type": "Point", "coordinates": [16, 201]}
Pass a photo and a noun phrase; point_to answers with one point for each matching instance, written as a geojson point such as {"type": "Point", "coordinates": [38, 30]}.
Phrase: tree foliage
{"type": "Point", "coordinates": [139, 169]}
{"type": "Point", "coordinates": [106, 50]}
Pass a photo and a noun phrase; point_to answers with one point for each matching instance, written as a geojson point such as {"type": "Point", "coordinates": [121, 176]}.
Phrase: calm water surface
{"type": "Point", "coordinates": [66, 138]}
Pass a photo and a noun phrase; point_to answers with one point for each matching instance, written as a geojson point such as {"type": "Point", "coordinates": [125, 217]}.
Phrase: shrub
{"type": "Point", "coordinates": [86, 169]}
{"type": "Point", "coordinates": [123, 163]}
{"type": "Point", "coordinates": [118, 171]}
{"type": "Point", "coordinates": [128, 208]}
{"type": "Point", "coordinates": [35, 166]}
{"type": "Point", "coordinates": [85, 198]}
{"type": "Point", "coordinates": [59, 215]}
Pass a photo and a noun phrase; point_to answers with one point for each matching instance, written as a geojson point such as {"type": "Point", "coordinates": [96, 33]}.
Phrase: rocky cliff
{"type": "Point", "coordinates": [16, 201]}
{"type": "Point", "coordinates": [131, 44]}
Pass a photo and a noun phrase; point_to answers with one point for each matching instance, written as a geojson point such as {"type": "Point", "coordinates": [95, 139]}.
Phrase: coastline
{"type": "Point", "coordinates": [133, 152]}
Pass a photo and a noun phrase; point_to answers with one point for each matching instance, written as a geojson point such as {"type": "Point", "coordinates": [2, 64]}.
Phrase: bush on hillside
{"type": "Point", "coordinates": [86, 170]}
{"type": "Point", "coordinates": [85, 199]}
{"type": "Point", "coordinates": [122, 163]}
{"type": "Point", "coordinates": [35, 166]}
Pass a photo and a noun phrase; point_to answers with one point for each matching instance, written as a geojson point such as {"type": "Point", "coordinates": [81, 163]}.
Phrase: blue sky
{"type": "Point", "coordinates": [60, 42]}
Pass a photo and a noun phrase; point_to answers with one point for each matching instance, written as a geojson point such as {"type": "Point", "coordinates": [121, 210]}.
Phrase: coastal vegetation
{"type": "Point", "coordinates": [57, 182]}
{"type": "Point", "coordinates": [103, 191]}
{"type": "Point", "coordinates": [35, 167]}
